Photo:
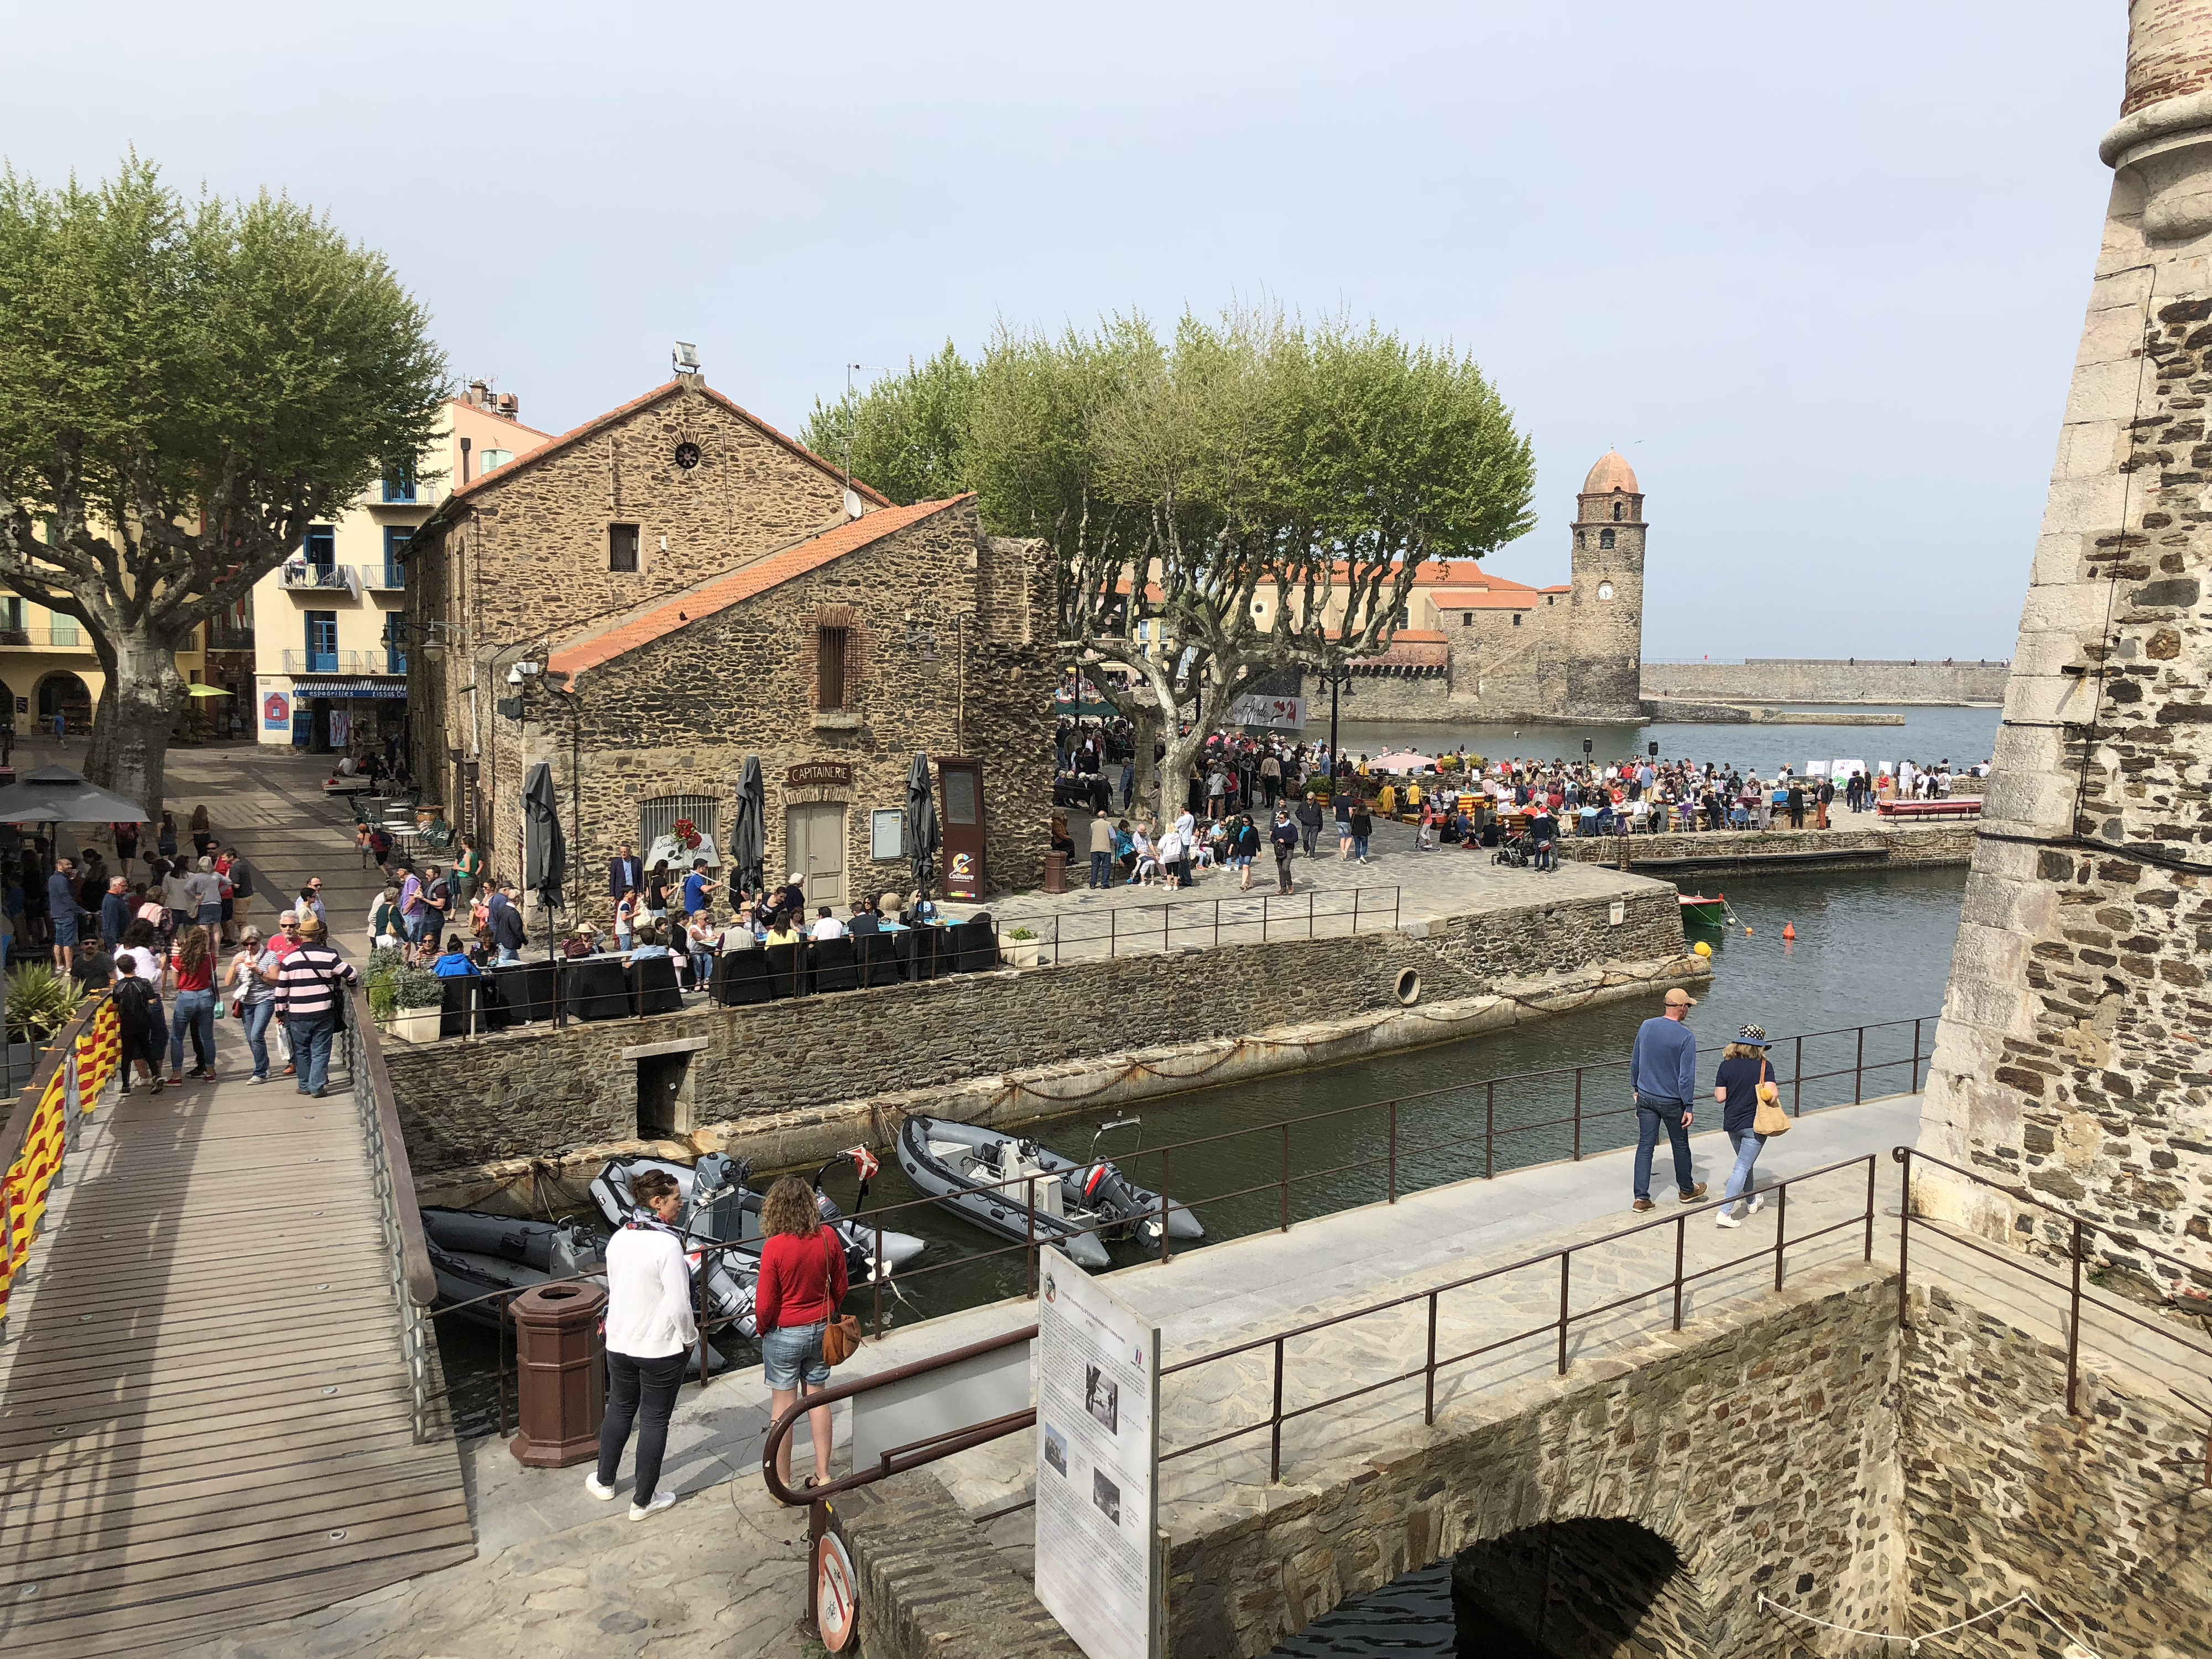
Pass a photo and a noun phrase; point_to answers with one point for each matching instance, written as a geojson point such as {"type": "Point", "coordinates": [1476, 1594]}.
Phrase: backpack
{"type": "Point", "coordinates": [134, 1006]}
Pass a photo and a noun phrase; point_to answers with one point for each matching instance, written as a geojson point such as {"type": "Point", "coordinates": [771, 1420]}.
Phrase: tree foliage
{"type": "Point", "coordinates": [1257, 493]}
{"type": "Point", "coordinates": [184, 387]}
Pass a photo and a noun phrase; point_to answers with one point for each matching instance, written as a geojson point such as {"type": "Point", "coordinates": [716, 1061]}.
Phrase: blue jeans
{"type": "Point", "coordinates": [792, 1350]}
{"type": "Point", "coordinates": [1102, 869]}
{"type": "Point", "coordinates": [311, 1050]}
{"type": "Point", "coordinates": [1359, 847]}
{"type": "Point", "coordinates": [1747, 1144]}
{"type": "Point", "coordinates": [257, 1016]}
{"type": "Point", "coordinates": [194, 1012]}
{"type": "Point", "coordinates": [1651, 1114]}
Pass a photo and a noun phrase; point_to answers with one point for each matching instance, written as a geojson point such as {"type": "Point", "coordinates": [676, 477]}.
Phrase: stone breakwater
{"type": "Point", "coordinates": [534, 1093]}
{"type": "Point", "coordinates": [1946, 843]}
{"type": "Point", "coordinates": [1832, 680]}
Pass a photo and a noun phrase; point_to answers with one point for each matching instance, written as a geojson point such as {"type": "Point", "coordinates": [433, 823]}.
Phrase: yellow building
{"type": "Point", "coordinates": [48, 671]}
{"type": "Point", "coordinates": [328, 628]}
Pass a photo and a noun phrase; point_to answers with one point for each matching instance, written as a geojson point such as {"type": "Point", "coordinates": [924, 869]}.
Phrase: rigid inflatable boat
{"type": "Point", "coordinates": [986, 1176]}
{"type": "Point", "coordinates": [720, 1203]}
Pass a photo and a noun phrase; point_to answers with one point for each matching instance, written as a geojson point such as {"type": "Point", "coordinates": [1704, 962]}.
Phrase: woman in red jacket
{"type": "Point", "coordinates": [802, 1284]}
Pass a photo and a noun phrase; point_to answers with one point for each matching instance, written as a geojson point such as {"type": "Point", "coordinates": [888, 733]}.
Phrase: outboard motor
{"type": "Point", "coordinates": [1103, 1189]}
{"type": "Point", "coordinates": [718, 1191]}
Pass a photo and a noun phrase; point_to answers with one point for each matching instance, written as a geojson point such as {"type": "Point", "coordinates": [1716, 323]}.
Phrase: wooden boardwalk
{"type": "Point", "coordinates": [206, 1421]}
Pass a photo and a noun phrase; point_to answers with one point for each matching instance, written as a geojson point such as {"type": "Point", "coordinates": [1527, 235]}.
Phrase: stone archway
{"type": "Point", "coordinates": [1593, 1587]}
{"type": "Point", "coordinates": [64, 694]}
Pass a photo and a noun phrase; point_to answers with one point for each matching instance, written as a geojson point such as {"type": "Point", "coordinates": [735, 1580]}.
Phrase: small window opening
{"type": "Point", "coordinates": [1516, 619]}
{"type": "Point", "coordinates": [1467, 620]}
{"type": "Point", "coordinates": [622, 547]}
{"type": "Point", "coordinates": [1604, 538]}
{"type": "Point", "coordinates": [1619, 511]}
{"type": "Point", "coordinates": [830, 669]}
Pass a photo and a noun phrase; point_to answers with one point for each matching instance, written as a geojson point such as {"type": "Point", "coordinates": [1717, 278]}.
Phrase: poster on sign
{"type": "Point", "coordinates": [341, 729]}
{"type": "Point", "coordinates": [1097, 1465]}
{"type": "Point", "coordinates": [1816, 768]}
{"type": "Point", "coordinates": [1274, 714]}
{"type": "Point", "coordinates": [276, 712]}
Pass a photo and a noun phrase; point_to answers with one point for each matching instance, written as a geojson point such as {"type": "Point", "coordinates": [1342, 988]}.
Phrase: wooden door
{"type": "Point", "coordinates": [815, 838]}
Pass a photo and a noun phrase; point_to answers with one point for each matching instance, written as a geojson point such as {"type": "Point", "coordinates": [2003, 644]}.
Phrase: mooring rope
{"type": "Point", "coordinates": [2078, 1649]}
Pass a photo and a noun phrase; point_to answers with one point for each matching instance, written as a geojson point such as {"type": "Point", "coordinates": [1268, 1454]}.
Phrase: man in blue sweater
{"type": "Point", "coordinates": [1663, 1072]}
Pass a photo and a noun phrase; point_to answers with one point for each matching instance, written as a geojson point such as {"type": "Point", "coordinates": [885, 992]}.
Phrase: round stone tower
{"type": "Point", "coordinates": [1605, 649]}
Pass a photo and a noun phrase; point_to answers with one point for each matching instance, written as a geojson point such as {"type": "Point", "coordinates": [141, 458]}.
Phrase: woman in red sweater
{"type": "Point", "coordinates": [802, 1284]}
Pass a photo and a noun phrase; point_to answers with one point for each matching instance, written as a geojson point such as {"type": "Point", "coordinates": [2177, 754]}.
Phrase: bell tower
{"type": "Point", "coordinates": [1605, 650]}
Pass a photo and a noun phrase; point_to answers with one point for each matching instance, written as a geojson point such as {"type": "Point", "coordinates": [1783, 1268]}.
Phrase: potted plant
{"type": "Point", "coordinates": [39, 1003]}
{"type": "Point", "coordinates": [1022, 949]}
{"type": "Point", "coordinates": [418, 998]}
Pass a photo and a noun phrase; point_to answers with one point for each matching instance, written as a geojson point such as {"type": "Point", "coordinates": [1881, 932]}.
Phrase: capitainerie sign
{"type": "Point", "coordinates": [1097, 1467]}
{"type": "Point", "coordinates": [819, 772]}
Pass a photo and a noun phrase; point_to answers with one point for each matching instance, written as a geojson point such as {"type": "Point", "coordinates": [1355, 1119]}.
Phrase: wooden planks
{"type": "Point", "coordinates": [206, 1419]}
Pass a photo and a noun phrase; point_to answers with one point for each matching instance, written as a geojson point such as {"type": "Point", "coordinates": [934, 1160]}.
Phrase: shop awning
{"type": "Point", "coordinates": [306, 686]}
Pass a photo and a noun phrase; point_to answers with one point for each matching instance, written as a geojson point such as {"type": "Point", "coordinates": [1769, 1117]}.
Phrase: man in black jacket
{"type": "Point", "coordinates": [623, 872]}
{"type": "Point", "coordinates": [506, 917]}
{"type": "Point", "coordinates": [1284, 836]}
{"type": "Point", "coordinates": [1309, 823]}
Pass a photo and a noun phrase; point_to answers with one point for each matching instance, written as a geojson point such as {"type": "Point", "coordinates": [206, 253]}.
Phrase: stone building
{"type": "Point", "coordinates": [647, 600]}
{"type": "Point", "coordinates": [1479, 647]}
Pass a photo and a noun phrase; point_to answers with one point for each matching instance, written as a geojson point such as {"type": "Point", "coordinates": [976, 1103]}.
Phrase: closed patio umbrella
{"type": "Point", "coordinates": [54, 795]}
{"type": "Point", "coordinates": [749, 834]}
{"type": "Point", "coordinates": [921, 837]}
{"type": "Point", "coordinates": [544, 849]}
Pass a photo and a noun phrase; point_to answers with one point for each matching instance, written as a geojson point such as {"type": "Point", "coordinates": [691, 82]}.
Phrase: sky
{"type": "Point", "coordinates": [1817, 270]}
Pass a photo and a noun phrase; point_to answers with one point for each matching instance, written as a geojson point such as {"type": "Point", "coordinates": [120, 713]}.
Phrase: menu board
{"type": "Point", "coordinates": [1097, 1465]}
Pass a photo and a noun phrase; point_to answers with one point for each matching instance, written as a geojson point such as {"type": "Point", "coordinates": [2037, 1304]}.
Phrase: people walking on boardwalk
{"type": "Point", "coordinates": [1743, 1071]}
{"type": "Point", "coordinates": [1102, 850]}
{"type": "Point", "coordinates": [802, 1284]}
{"type": "Point", "coordinates": [1308, 817]}
{"type": "Point", "coordinates": [1284, 836]}
{"type": "Point", "coordinates": [139, 1003]}
{"type": "Point", "coordinates": [1340, 801]}
{"type": "Point", "coordinates": [1363, 826]}
{"type": "Point", "coordinates": [252, 997]}
{"type": "Point", "coordinates": [649, 1330]}
{"type": "Point", "coordinates": [63, 911]}
{"type": "Point", "coordinates": [310, 982]}
{"type": "Point", "coordinates": [194, 1008]}
{"type": "Point", "coordinates": [1662, 1072]}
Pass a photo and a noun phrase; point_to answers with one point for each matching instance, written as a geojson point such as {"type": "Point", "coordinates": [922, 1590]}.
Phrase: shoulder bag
{"type": "Point", "coordinates": [841, 1333]}
{"type": "Point", "coordinates": [1771, 1119]}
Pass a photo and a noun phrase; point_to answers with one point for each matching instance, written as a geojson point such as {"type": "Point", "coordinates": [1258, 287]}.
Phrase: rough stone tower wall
{"type": "Point", "coordinates": [1604, 637]}
{"type": "Point", "coordinates": [2073, 1056]}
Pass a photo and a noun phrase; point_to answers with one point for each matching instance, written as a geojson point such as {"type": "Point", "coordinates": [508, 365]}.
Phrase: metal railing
{"type": "Point", "coordinates": [2079, 1233]}
{"type": "Point", "coordinates": [311, 576]}
{"type": "Point", "coordinates": [43, 1125]}
{"type": "Point", "coordinates": [413, 1282]}
{"type": "Point", "coordinates": [53, 637]}
{"type": "Point", "coordinates": [384, 578]}
{"type": "Point", "coordinates": [1138, 930]}
{"type": "Point", "coordinates": [336, 662]}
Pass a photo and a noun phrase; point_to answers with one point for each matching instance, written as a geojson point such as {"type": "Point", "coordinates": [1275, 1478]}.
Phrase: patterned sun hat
{"type": "Point", "coordinates": [1753, 1036]}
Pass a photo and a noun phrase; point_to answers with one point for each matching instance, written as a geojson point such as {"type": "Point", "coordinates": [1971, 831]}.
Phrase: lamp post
{"type": "Point", "coordinates": [1338, 678]}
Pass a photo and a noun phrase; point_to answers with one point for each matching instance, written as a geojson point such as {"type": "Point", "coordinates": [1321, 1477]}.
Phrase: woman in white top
{"type": "Point", "coordinates": [649, 1332]}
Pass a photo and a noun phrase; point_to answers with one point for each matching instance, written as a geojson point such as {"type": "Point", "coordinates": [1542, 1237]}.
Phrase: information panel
{"type": "Point", "coordinates": [1097, 1465]}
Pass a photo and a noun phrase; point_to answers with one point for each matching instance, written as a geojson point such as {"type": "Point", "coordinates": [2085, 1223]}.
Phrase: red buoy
{"type": "Point", "coordinates": [1789, 929]}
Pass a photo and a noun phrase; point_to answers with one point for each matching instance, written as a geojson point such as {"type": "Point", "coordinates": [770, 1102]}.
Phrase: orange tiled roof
{"type": "Point", "coordinates": [590, 650]}
{"type": "Point", "coordinates": [577, 435]}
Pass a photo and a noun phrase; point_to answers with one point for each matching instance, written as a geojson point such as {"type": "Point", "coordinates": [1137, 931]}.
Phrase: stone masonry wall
{"type": "Point", "coordinates": [2004, 1491]}
{"type": "Point", "coordinates": [1784, 679]}
{"type": "Point", "coordinates": [1919, 844]}
{"type": "Point", "coordinates": [1760, 1444]}
{"type": "Point", "coordinates": [532, 1092]}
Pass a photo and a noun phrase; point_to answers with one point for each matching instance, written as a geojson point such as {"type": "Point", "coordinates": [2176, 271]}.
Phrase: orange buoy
{"type": "Point", "coordinates": [1789, 929]}
{"type": "Point", "coordinates": [1746, 930]}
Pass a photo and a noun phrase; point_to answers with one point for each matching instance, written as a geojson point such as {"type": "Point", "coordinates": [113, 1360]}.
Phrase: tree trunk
{"type": "Point", "coordinates": [130, 744]}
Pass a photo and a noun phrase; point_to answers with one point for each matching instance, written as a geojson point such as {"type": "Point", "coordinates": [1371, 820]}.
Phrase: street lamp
{"type": "Point", "coordinates": [1338, 678]}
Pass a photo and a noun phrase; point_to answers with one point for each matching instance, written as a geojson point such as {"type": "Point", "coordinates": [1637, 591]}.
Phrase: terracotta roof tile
{"type": "Point", "coordinates": [719, 593]}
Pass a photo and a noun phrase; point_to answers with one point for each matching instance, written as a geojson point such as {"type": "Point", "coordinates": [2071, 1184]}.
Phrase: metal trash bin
{"type": "Point", "coordinates": [560, 1359]}
{"type": "Point", "coordinates": [1055, 872]}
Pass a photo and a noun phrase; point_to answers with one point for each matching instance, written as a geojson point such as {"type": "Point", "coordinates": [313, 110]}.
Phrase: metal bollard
{"type": "Point", "coordinates": [560, 1366]}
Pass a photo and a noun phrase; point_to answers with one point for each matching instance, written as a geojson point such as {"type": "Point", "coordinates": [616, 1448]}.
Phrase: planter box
{"type": "Point", "coordinates": [414, 1024]}
{"type": "Point", "coordinates": [1021, 952]}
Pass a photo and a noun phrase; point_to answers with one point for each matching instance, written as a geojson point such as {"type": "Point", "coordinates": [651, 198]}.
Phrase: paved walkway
{"type": "Point", "coordinates": [205, 1418]}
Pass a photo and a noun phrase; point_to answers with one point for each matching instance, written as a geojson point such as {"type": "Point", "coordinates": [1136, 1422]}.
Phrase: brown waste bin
{"type": "Point", "coordinates": [561, 1360]}
{"type": "Point", "coordinates": [1055, 872]}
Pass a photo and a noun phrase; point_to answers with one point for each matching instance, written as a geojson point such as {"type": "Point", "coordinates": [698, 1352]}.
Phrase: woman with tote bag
{"type": "Point", "coordinates": [1751, 1110]}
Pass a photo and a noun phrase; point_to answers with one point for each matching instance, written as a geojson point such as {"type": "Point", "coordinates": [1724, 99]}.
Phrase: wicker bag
{"type": "Point", "coordinates": [1771, 1119]}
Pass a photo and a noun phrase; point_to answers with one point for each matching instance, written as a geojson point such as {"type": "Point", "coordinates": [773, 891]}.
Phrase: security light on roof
{"type": "Point", "coordinates": [687, 357]}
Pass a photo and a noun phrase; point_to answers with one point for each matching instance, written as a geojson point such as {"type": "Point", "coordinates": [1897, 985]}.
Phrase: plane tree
{"type": "Point", "coordinates": [184, 387]}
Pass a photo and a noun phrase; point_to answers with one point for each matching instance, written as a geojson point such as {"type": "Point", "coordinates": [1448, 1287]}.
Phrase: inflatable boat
{"type": "Point", "coordinates": [719, 1203]}
{"type": "Point", "coordinates": [475, 1253]}
{"type": "Point", "coordinates": [986, 1176]}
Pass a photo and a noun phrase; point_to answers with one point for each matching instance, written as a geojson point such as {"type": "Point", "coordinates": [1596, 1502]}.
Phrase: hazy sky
{"type": "Point", "coordinates": [1818, 269]}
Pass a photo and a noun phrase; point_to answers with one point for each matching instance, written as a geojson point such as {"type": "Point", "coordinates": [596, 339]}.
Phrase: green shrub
{"type": "Point", "coordinates": [1021, 932]}
{"type": "Point", "coordinates": [39, 1002]}
{"type": "Point", "coordinates": [416, 987]}
{"type": "Point", "coordinates": [383, 997]}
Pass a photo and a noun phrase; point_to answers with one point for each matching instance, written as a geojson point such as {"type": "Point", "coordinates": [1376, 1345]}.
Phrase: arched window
{"type": "Point", "coordinates": [1581, 538]}
{"type": "Point", "coordinates": [1619, 511]}
{"type": "Point", "coordinates": [1604, 538]}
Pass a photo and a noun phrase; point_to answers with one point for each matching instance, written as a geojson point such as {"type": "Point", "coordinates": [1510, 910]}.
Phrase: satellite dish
{"type": "Point", "coordinates": [853, 507]}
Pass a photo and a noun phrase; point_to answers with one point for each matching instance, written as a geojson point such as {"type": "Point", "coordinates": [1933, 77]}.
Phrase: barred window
{"type": "Point", "coordinates": [828, 669]}
{"type": "Point", "coordinates": [656, 825]}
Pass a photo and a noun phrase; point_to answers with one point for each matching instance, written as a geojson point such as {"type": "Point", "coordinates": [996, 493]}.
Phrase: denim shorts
{"type": "Point", "coordinates": [786, 1353]}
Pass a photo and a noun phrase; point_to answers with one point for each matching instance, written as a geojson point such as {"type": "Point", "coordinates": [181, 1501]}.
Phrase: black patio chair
{"type": "Point", "coordinates": [457, 1007]}
{"type": "Point", "coordinates": [787, 970]}
{"type": "Point", "coordinates": [524, 991]}
{"type": "Point", "coordinates": [924, 952]}
{"type": "Point", "coordinates": [836, 965]}
{"type": "Point", "coordinates": [974, 945]}
{"type": "Point", "coordinates": [597, 987]}
{"type": "Point", "coordinates": [741, 977]}
{"type": "Point", "coordinates": [654, 988]}
{"type": "Point", "coordinates": [879, 959]}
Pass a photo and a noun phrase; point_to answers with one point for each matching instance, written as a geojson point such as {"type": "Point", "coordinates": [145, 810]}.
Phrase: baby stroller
{"type": "Point", "coordinates": [1516, 852]}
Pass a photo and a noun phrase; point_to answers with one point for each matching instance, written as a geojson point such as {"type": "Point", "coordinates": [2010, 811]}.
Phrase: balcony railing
{"type": "Point", "coordinates": [46, 638]}
{"type": "Point", "coordinates": [384, 578]}
{"type": "Point", "coordinates": [344, 662]}
{"type": "Point", "coordinates": [313, 576]}
{"type": "Point", "coordinates": [229, 639]}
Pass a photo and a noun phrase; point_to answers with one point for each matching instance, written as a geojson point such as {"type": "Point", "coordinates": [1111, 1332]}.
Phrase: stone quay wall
{"type": "Point", "coordinates": [529, 1093]}
{"type": "Point", "coordinates": [2104, 1518]}
{"type": "Point", "coordinates": [1951, 842]}
{"type": "Point", "coordinates": [1811, 679]}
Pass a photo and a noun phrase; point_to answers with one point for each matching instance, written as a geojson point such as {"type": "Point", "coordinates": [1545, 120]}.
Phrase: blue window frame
{"type": "Point", "coordinates": [322, 641]}
{"type": "Point", "coordinates": [320, 544]}
{"type": "Point", "coordinates": [395, 643]}
{"type": "Point", "coordinates": [399, 483]}
{"type": "Point", "coordinates": [396, 538]}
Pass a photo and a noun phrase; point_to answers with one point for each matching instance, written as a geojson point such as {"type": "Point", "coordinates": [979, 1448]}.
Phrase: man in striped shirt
{"type": "Point", "coordinates": [309, 982]}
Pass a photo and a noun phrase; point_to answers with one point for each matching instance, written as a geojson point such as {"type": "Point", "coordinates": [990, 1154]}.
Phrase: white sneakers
{"type": "Point", "coordinates": [663, 1499]}
{"type": "Point", "coordinates": [1757, 1203]}
{"type": "Point", "coordinates": [1722, 1219]}
{"type": "Point", "coordinates": [1752, 1206]}
{"type": "Point", "coordinates": [591, 1485]}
